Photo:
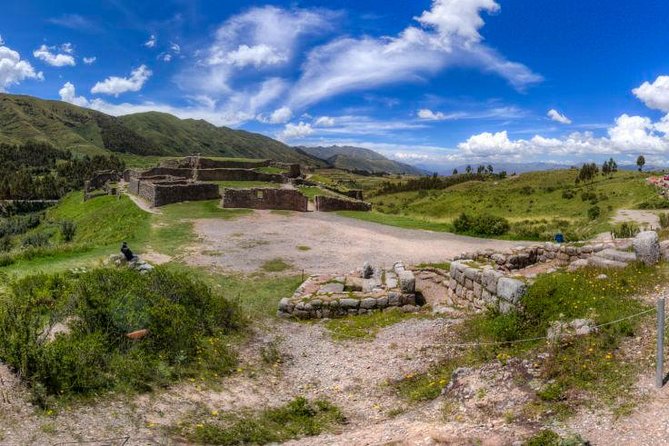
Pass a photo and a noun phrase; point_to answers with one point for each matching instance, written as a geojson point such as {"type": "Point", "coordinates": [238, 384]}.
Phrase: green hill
{"type": "Point", "coordinates": [85, 131]}
{"type": "Point", "coordinates": [358, 158]}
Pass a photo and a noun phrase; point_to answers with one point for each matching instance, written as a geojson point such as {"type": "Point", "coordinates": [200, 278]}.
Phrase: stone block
{"type": "Point", "coordinates": [489, 280]}
{"type": "Point", "coordinates": [349, 303]}
{"type": "Point", "coordinates": [407, 282]}
{"type": "Point", "coordinates": [368, 303]}
{"type": "Point", "coordinates": [647, 247]}
{"type": "Point", "coordinates": [511, 290]}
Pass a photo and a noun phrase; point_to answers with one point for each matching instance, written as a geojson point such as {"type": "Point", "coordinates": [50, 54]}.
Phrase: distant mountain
{"type": "Point", "coordinates": [497, 167]}
{"type": "Point", "coordinates": [358, 158]}
{"type": "Point", "coordinates": [85, 131]}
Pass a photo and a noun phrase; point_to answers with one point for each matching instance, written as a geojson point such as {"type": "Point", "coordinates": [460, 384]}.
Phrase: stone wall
{"type": "Point", "coordinates": [331, 204]}
{"type": "Point", "coordinates": [524, 256]}
{"type": "Point", "coordinates": [265, 198]}
{"type": "Point", "coordinates": [207, 163]}
{"type": "Point", "coordinates": [101, 178]}
{"type": "Point", "coordinates": [485, 288]}
{"type": "Point", "coordinates": [216, 174]}
{"type": "Point", "coordinates": [160, 191]}
{"type": "Point", "coordinates": [361, 292]}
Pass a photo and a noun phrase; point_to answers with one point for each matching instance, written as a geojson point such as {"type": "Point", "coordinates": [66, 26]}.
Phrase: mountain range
{"type": "Point", "coordinates": [358, 158]}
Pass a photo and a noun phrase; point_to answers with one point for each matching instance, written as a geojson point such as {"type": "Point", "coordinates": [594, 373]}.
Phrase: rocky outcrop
{"type": "Point", "coordinates": [647, 247]}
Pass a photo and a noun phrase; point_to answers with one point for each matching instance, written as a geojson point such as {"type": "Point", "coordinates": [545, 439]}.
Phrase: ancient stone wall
{"type": "Point", "coordinates": [265, 198]}
{"type": "Point", "coordinates": [292, 170]}
{"type": "Point", "coordinates": [331, 204]}
{"type": "Point", "coordinates": [207, 163]}
{"type": "Point", "coordinates": [238, 175]}
{"type": "Point", "coordinates": [485, 288]}
{"type": "Point", "coordinates": [99, 179]}
{"type": "Point", "coordinates": [159, 191]}
{"type": "Point", "coordinates": [329, 296]}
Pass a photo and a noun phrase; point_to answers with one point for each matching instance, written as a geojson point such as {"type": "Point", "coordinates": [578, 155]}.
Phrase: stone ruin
{"type": "Point", "coordinates": [164, 189]}
{"type": "Point", "coordinates": [366, 290]}
{"type": "Point", "coordinates": [104, 181]}
{"type": "Point", "coordinates": [265, 198]}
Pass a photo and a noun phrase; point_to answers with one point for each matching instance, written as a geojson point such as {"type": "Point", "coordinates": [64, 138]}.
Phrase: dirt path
{"type": "Point", "coordinates": [322, 242]}
{"type": "Point", "coordinates": [642, 218]}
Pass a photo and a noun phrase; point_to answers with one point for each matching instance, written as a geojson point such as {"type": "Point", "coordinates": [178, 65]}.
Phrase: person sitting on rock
{"type": "Point", "coordinates": [127, 253]}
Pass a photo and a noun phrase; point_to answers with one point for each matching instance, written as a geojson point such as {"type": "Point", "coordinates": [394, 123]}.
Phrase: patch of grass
{"type": "Point", "coordinates": [189, 328]}
{"type": "Point", "coordinates": [275, 266]}
{"type": "Point", "coordinates": [312, 191]}
{"type": "Point", "coordinates": [366, 326]}
{"type": "Point", "coordinates": [283, 212]}
{"type": "Point", "coordinates": [299, 418]}
{"type": "Point", "coordinates": [441, 265]}
{"type": "Point", "coordinates": [398, 221]}
{"type": "Point", "coordinates": [547, 437]}
{"type": "Point", "coordinates": [200, 209]}
{"type": "Point", "coordinates": [245, 184]}
{"type": "Point", "coordinates": [270, 169]}
{"type": "Point", "coordinates": [303, 248]}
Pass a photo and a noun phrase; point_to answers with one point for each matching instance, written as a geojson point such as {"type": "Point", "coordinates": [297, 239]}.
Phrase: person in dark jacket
{"type": "Point", "coordinates": [127, 252]}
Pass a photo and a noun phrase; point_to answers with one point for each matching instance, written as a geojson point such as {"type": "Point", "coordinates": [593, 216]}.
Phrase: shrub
{"type": "Point", "coordinates": [589, 196]}
{"type": "Point", "coordinates": [654, 203]}
{"type": "Point", "coordinates": [594, 212]}
{"type": "Point", "coordinates": [186, 326]}
{"type": "Point", "coordinates": [67, 230]}
{"type": "Point", "coordinates": [664, 219]}
{"type": "Point", "coordinates": [36, 240]}
{"type": "Point", "coordinates": [526, 190]}
{"type": "Point", "coordinates": [5, 243]}
{"type": "Point", "coordinates": [568, 194]}
{"type": "Point", "coordinates": [626, 229]}
{"type": "Point", "coordinates": [484, 225]}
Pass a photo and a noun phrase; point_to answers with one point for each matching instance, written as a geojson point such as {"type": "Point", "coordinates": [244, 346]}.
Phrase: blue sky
{"type": "Point", "coordinates": [439, 82]}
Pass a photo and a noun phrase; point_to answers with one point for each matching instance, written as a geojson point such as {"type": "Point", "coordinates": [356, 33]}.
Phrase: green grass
{"type": "Point", "coordinates": [366, 326]}
{"type": "Point", "coordinates": [299, 418]}
{"type": "Point", "coordinates": [245, 184]}
{"type": "Point", "coordinates": [303, 248]}
{"type": "Point", "coordinates": [275, 266]}
{"type": "Point", "coordinates": [312, 191]}
{"type": "Point", "coordinates": [399, 221]}
{"type": "Point", "coordinates": [270, 169]}
{"type": "Point", "coordinates": [534, 196]}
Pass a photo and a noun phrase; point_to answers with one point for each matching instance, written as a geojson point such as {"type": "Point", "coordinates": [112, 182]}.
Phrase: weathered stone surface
{"type": "Point", "coordinates": [489, 280]}
{"type": "Point", "coordinates": [367, 270]}
{"type": "Point", "coordinates": [285, 305]}
{"type": "Point", "coordinates": [647, 247]}
{"type": "Point", "coordinates": [600, 262]}
{"type": "Point", "coordinates": [333, 287]}
{"type": "Point", "coordinates": [577, 264]}
{"type": "Point", "coordinates": [407, 282]}
{"type": "Point", "coordinates": [618, 256]}
{"type": "Point", "coordinates": [562, 330]}
{"type": "Point", "coordinates": [394, 299]}
{"type": "Point", "coordinates": [368, 303]}
{"type": "Point", "coordinates": [511, 290]}
{"type": "Point", "coordinates": [505, 307]}
{"type": "Point", "coordinates": [349, 303]}
{"type": "Point", "coordinates": [382, 302]}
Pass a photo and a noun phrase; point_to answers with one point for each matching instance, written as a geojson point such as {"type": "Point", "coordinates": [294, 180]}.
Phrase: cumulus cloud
{"type": "Point", "coordinates": [292, 131]}
{"type": "Point", "coordinates": [68, 94]}
{"type": "Point", "coordinates": [655, 95]}
{"type": "Point", "coordinates": [89, 60]}
{"type": "Point", "coordinates": [448, 36]}
{"type": "Point", "coordinates": [116, 85]}
{"type": "Point", "coordinates": [262, 37]}
{"type": "Point", "coordinates": [281, 115]}
{"type": "Point", "coordinates": [558, 117]}
{"type": "Point", "coordinates": [13, 69]}
{"type": "Point", "coordinates": [152, 42]}
{"type": "Point", "coordinates": [47, 55]}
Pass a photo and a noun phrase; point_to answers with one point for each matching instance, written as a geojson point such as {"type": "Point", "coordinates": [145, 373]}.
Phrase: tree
{"type": "Point", "coordinates": [480, 169]}
{"type": "Point", "coordinates": [606, 168]}
{"type": "Point", "coordinates": [490, 169]}
{"type": "Point", "coordinates": [455, 171]}
{"type": "Point", "coordinates": [640, 161]}
{"type": "Point", "coordinates": [468, 169]}
{"type": "Point", "coordinates": [587, 172]}
{"type": "Point", "coordinates": [613, 165]}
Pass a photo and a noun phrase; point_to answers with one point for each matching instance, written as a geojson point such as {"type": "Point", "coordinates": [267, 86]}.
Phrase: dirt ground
{"type": "Point", "coordinates": [330, 243]}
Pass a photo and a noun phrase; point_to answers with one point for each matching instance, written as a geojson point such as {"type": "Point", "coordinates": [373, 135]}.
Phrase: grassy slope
{"type": "Point", "coordinates": [509, 198]}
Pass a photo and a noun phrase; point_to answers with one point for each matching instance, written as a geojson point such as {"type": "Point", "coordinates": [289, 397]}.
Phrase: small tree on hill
{"type": "Point", "coordinates": [606, 169]}
{"type": "Point", "coordinates": [455, 171]}
{"type": "Point", "coordinates": [480, 169]}
{"type": "Point", "coordinates": [587, 172]}
{"type": "Point", "coordinates": [640, 161]}
{"type": "Point", "coordinates": [468, 169]}
{"type": "Point", "coordinates": [490, 169]}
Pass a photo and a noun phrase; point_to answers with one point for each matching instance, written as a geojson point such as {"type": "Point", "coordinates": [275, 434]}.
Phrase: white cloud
{"type": "Point", "coordinates": [2, 42]}
{"type": "Point", "coordinates": [257, 56]}
{"type": "Point", "coordinates": [176, 49]}
{"type": "Point", "coordinates": [448, 37]}
{"type": "Point", "coordinates": [116, 85]}
{"type": "Point", "coordinates": [655, 95]}
{"type": "Point", "coordinates": [165, 57]}
{"type": "Point", "coordinates": [558, 117]}
{"type": "Point", "coordinates": [151, 43]}
{"type": "Point", "coordinates": [425, 113]}
{"type": "Point", "coordinates": [45, 54]}
{"type": "Point", "coordinates": [13, 69]}
{"type": "Point", "coordinates": [69, 94]}
{"type": "Point", "coordinates": [281, 116]}
{"type": "Point", "coordinates": [89, 60]}
{"type": "Point", "coordinates": [292, 131]}
{"type": "Point", "coordinates": [325, 121]}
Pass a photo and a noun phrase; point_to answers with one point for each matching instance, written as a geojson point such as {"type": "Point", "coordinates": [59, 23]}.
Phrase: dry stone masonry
{"type": "Point", "coordinates": [265, 198]}
{"type": "Point", "coordinates": [366, 290]}
{"type": "Point", "coordinates": [162, 190]}
{"type": "Point", "coordinates": [332, 204]}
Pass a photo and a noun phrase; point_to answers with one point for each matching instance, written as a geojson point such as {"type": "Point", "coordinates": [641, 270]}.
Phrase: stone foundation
{"type": "Point", "coordinates": [331, 204]}
{"type": "Point", "coordinates": [361, 292]}
{"type": "Point", "coordinates": [265, 198]}
{"type": "Point", "coordinates": [485, 288]}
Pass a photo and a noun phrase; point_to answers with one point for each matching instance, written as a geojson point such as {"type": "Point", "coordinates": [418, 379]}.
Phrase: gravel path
{"type": "Point", "coordinates": [331, 243]}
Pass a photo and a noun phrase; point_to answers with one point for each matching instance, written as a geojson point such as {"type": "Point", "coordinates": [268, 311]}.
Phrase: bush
{"type": "Point", "coordinates": [626, 229]}
{"type": "Point", "coordinates": [589, 196]}
{"type": "Point", "coordinates": [594, 213]}
{"type": "Point", "coordinates": [664, 219]}
{"type": "Point", "coordinates": [36, 240]}
{"type": "Point", "coordinates": [568, 194]}
{"type": "Point", "coordinates": [484, 225]}
{"type": "Point", "coordinates": [5, 243]}
{"type": "Point", "coordinates": [186, 326]}
{"type": "Point", "coordinates": [526, 190]}
{"type": "Point", "coordinates": [67, 230]}
{"type": "Point", "coordinates": [654, 203]}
